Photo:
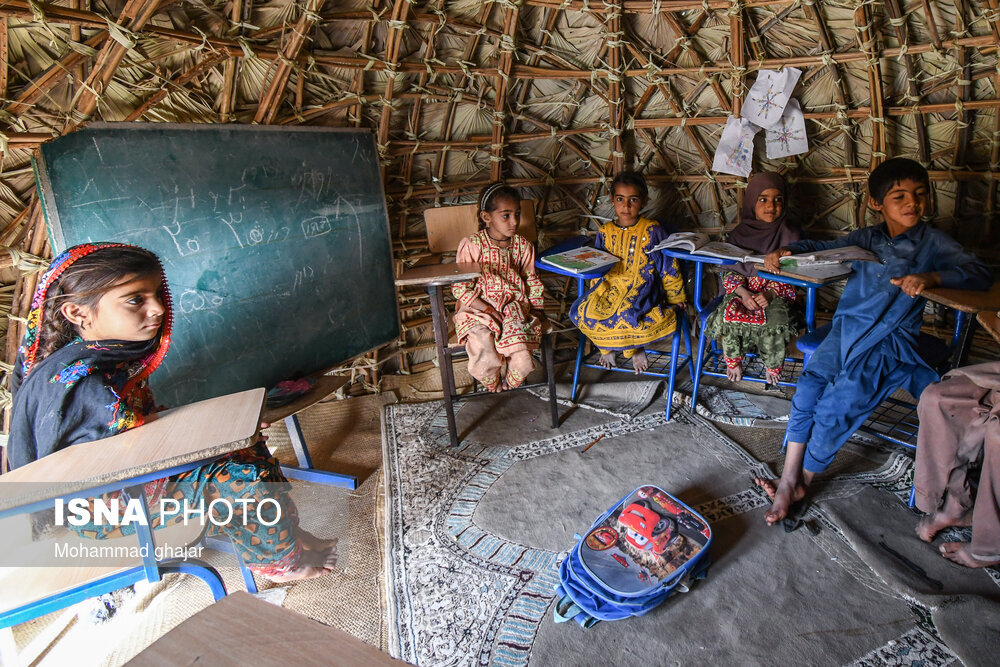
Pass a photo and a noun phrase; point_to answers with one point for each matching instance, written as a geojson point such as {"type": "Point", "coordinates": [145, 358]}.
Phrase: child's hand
{"type": "Point", "coordinates": [762, 300]}
{"type": "Point", "coordinates": [915, 283]}
{"type": "Point", "coordinates": [773, 260]}
{"type": "Point", "coordinates": [748, 298]}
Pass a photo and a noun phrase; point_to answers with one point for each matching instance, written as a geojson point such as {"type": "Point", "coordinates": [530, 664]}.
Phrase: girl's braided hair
{"type": "Point", "coordinates": [489, 195]}
{"type": "Point", "coordinates": [84, 283]}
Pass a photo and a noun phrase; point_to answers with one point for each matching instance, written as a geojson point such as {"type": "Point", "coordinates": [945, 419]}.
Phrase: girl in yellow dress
{"type": "Point", "coordinates": [630, 306]}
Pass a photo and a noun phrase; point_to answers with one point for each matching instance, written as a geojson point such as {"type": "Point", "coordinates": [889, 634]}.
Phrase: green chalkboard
{"type": "Point", "coordinates": [275, 241]}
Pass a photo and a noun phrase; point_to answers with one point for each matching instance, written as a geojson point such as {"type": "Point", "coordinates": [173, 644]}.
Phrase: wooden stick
{"type": "Point", "coordinates": [599, 438]}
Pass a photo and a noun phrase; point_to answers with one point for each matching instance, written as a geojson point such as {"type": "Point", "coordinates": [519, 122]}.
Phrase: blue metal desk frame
{"type": "Point", "coordinates": [581, 286]}
{"type": "Point", "coordinates": [150, 570]}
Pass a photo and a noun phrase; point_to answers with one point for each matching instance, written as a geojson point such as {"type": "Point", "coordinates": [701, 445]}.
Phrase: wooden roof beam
{"type": "Point", "coordinates": [867, 42]}
{"type": "Point", "coordinates": [898, 22]}
{"type": "Point", "coordinates": [270, 98]}
{"type": "Point", "coordinates": [614, 36]}
{"type": "Point", "coordinates": [502, 87]}
{"type": "Point", "coordinates": [134, 16]}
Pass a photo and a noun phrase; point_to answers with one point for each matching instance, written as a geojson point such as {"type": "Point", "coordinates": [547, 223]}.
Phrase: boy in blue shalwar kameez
{"type": "Point", "coordinates": [871, 350]}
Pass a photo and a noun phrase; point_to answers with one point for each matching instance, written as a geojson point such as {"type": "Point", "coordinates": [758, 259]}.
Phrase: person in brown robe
{"type": "Point", "coordinates": [959, 426]}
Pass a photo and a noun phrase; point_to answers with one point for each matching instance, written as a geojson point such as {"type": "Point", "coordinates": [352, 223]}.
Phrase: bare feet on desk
{"type": "Point", "coordinates": [932, 524]}
{"type": "Point", "coordinates": [639, 361]}
{"type": "Point", "coordinates": [607, 360]}
{"type": "Point", "coordinates": [783, 496]}
{"type": "Point", "coordinates": [735, 373]}
{"type": "Point", "coordinates": [961, 553]}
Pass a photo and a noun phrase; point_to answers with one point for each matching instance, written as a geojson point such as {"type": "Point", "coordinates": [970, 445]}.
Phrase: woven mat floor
{"type": "Point", "coordinates": [343, 435]}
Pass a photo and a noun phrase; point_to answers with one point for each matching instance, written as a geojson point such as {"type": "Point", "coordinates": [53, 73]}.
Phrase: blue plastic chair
{"type": "Point", "coordinates": [661, 364]}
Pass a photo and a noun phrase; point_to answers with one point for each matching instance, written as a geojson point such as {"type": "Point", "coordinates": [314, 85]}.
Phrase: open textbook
{"type": "Point", "coordinates": [580, 260]}
{"type": "Point", "coordinates": [698, 243]}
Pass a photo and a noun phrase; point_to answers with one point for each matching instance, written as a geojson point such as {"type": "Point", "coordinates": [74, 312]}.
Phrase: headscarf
{"type": "Point", "coordinates": [52, 408]}
{"type": "Point", "coordinates": [756, 235]}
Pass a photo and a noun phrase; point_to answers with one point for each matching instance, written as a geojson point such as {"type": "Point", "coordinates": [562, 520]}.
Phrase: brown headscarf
{"type": "Point", "coordinates": [756, 235]}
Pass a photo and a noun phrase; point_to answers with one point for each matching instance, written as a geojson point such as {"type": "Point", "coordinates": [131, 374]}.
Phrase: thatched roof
{"type": "Point", "coordinates": [553, 95]}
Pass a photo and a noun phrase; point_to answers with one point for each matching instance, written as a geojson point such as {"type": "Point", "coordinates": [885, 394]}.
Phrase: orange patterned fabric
{"type": "Point", "coordinates": [509, 285]}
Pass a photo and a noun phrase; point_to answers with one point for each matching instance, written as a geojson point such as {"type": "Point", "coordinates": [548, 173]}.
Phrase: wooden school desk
{"type": "Point", "coordinates": [176, 441]}
{"type": "Point", "coordinates": [325, 385]}
{"type": "Point", "coordinates": [810, 278]}
{"type": "Point", "coordinates": [965, 302]}
{"type": "Point", "coordinates": [990, 320]}
{"type": "Point", "coordinates": [241, 630]}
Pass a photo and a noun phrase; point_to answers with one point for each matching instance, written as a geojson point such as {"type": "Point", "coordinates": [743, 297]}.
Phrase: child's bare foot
{"type": "Point", "coordinates": [734, 373]}
{"type": "Point", "coordinates": [783, 496]}
{"type": "Point", "coordinates": [961, 553]}
{"type": "Point", "coordinates": [311, 564]}
{"type": "Point", "coordinates": [607, 360]}
{"type": "Point", "coordinates": [931, 524]}
{"type": "Point", "coordinates": [312, 543]}
{"type": "Point", "coordinates": [639, 361]}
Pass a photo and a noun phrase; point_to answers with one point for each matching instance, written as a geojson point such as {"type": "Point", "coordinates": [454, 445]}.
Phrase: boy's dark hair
{"type": "Point", "coordinates": [891, 172]}
{"type": "Point", "coordinates": [632, 178]}
{"type": "Point", "coordinates": [84, 283]}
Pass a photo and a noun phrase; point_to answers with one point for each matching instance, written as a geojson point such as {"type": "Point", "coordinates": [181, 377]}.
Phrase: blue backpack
{"type": "Point", "coordinates": [648, 546]}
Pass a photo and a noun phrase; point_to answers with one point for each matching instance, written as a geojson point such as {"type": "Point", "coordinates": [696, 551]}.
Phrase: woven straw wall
{"type": "Point", "coordinates": [554, 96]}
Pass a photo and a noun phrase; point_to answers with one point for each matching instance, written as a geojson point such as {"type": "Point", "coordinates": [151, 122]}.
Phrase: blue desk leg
{"type": "Point", "coordinates": [580, 288]}
{"type": "Point", "coordinates": [305, 472]}
{"type": "Point", "coordinates": [810, 309]}
{"type": "Point", "coordinates": [145, 535]}
{"type": "Point", "coordinates": [298, 441]}
{"type": "Point", "coordinates": [961, 341]}
{"type": "Point", "coordinates": [697, 288]}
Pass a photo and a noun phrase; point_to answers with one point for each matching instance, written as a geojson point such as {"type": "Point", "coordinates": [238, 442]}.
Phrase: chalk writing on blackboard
{"type": "Point", "coordinates": [263, 234]}
{"type": "Point", "coordinates": [317, 226]}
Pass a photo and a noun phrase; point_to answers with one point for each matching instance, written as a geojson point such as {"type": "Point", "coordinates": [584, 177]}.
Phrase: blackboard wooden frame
{"type": "Point", "coordinates": [362, 138]}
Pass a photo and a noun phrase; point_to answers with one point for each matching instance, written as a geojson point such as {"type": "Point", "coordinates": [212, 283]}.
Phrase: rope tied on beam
{"type": "Point", "coordinates": [397, 25]}
{"type": "Point", "coordinates": [735, 7]}
{"type": "Point", "coordinates": [507, 43]}
{"type": "Point", "coordinates": [25, 262]}
{"type": "Point", "coordinates": [121, 35]}
{"type": "Point", "coordinates": [959, 112]}
{"type": "Point", "coordinates": [897, 22]}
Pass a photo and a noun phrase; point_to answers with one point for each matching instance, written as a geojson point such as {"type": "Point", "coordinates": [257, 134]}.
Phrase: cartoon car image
{"type": "Point", "coordinates": [602, 538]}
{"type": "Point", "coordinates": [645, 529]}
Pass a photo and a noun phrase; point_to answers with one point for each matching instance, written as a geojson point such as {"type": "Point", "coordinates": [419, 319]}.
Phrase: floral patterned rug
{"type": "Point", "coordinates": [473, 549]}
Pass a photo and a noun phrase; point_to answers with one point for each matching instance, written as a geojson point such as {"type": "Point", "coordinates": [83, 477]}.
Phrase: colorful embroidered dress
{"type": "Point", "coordinates": [628, 307]}
{"type": "Point", "coordinates": [509, 284]}
{"type": "Point", "coordinates": [740, 329]}
{"type": "Point", "coordinates": [90, 390]}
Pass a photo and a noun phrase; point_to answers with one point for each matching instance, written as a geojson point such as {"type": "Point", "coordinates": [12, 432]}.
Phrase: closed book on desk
{"type": "Point", "coordinates": [581, 260]}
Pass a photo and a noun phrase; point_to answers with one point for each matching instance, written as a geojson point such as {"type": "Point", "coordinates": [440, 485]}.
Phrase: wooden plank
{"type": "Point", "coordinates": [195, 432]}
{"type": "Point", "coordinates": [439, 274]}
{"type": "Point", "coordinates": [968, 301]}
{"type": "Point", "coordinates": [223, 635]}
{"type": "Point", "coordinates": [991, 322]}
{"type": "Point", "coordinates": [325, 385]}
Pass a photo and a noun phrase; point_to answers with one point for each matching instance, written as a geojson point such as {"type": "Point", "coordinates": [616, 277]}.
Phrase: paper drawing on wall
{"type": "Point", "coordinates": [769, 95]}
{"type": "Point", "coordinates": [788, 136]}
{"type": "Point", "coordinates": [734, 155]}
